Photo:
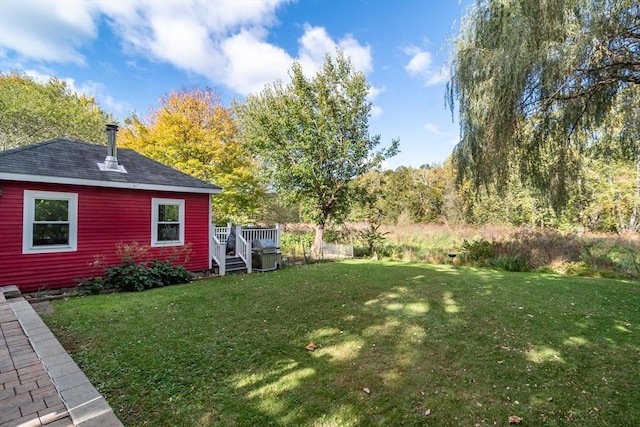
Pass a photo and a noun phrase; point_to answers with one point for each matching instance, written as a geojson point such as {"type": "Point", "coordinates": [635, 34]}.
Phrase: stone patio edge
{"type": "Point", "coordinates": [85, 404]}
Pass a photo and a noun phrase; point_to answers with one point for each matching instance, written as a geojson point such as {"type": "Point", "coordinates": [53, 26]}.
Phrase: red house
{"type": "Point", "coordinates": [64, 204]}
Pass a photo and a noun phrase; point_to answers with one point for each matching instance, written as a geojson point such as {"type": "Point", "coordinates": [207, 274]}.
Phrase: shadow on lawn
{"type": "Point", "coordinates": [416, 345]}
{"type": "Point", "coordinates": [395, 340]}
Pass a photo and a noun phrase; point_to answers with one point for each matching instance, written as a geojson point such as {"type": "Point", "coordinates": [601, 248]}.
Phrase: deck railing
{"type": "Point", "coordinates": [219, 253]}
{"type": "Point", "coordinates": [243, 248]}
{"type": "Point", "coordinates": [244, 238]}
{"type": "Point", "coordinates": [253, 233]}
{"type": "Point", "coordinates": [221, 233]}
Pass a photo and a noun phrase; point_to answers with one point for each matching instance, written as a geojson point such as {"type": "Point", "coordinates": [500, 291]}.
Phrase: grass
{"type": "Point", "coordinates": [468, 346]}
{"type": "Point", "coordinates": [512, 248]}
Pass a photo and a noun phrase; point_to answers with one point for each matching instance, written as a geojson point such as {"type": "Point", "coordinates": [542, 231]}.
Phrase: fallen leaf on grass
{"type": "Point", "coordinates": [514, 419]}
{"type": "Point", "coordinates": [311, 346]}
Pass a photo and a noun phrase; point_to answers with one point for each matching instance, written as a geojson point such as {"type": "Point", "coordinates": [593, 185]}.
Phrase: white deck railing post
{"type": "Point", "coordinates": [218, 248]}
{"type": "Point", "coordinates": [243, 248]}
{"type": "Point", "coordinates": [239, 247]}
{"type": "Point", "coordinates": [248, 260]}
{"type": "Point", "coordinates": [212, 254]}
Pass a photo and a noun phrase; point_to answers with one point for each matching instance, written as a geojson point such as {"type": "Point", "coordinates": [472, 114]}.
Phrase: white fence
{"type": "Point", "coordinates": [336, 251]}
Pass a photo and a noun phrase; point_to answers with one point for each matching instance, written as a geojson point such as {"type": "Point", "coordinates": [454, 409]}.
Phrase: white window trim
{"type": "Point", "coordinates": [155, 203]}
{"type": "Point", "coordinates": [28, 210]}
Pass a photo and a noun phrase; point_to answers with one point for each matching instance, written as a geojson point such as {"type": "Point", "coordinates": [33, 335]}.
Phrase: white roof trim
{"type": "Point", "coordinates": [109, 184]}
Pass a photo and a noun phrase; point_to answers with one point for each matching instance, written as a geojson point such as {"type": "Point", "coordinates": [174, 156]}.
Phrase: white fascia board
{"type": "Point", "coordinates": [108, 184]}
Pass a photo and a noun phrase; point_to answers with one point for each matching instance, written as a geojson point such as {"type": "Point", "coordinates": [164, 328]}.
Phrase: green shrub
{"type": "Point", "coordinates": [578, 269]}
{"type": "Point", "coordinates": [138, 277]}
{"type": "Point", "coordinates": [480, 250]}
{"type": "Point", "coordinates": [360, 252]}
{"type": "Point", "coordinates": [508, 263]}
{"type": "Point", "coordinates": [164, 274]}
{"type": "Point", "coordinates": [130, 277]}
{"type": "Point", "coordinates": [371, 237]}
{"type": "Point", "coordinates": [91, 285]}
{"type": "Point", "coordinates": [296, 245]}
{"type": "Point", "coordinates": [134, 273]}
{"type": "Point", "coordinates": [341, 235]}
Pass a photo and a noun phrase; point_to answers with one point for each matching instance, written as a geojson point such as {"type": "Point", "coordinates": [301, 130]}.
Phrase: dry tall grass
{"type": "Point", "coordinates": [535, 249]}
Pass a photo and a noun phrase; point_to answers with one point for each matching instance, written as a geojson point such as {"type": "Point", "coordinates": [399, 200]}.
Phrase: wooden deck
{"type": "Point", "coordinates": [240, 260]}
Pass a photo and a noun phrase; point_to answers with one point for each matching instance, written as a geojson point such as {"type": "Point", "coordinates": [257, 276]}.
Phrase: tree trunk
{"type": "Point", "coordinates": [316, 248]}
{"type": "Point", "coordinates": [634, 221]}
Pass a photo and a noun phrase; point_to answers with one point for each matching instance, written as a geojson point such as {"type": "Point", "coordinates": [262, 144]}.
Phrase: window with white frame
{"type": "Point", "coordinates": [50, 222]}
{"type": "Point", "coordinates": [167, 222]}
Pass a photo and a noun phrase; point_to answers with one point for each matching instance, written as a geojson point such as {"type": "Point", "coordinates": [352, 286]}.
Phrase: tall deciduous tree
{"type": "Point", "coordinates": [31, 112]}
{"type": "Point", "coordinates": [532, 78]}
{"type": "Point", "coordinates": [192, 132]}
{"type": "Point", "coordinates": [312, 136]}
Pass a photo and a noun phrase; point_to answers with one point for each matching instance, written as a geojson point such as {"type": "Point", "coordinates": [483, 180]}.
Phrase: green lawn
{"type": "Point", "coordinates": [467, 346]}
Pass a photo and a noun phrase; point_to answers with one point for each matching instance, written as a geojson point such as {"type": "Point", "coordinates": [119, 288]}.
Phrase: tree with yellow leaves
{"type": "Point", "coordinates": [192, 132]}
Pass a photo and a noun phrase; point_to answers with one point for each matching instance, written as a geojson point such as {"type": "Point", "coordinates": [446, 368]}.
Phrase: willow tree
{"type": "Point", "coordinates": [533, 80]}
{"type": "Point", "coordinates": [624, 125]}
{"type": "Point", "coordinates": [31, 111]}
{"type": "Point", "coordinates": [312, 137]}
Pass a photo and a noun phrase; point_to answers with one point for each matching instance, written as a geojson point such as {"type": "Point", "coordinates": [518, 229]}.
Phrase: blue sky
{"type": "Point", "coordinates": [129, 53]}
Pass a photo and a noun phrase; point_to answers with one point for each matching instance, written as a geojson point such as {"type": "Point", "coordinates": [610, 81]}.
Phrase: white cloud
{"type": "Point", "coordinates": [376, 110]}
{"type": "Point", "coordinates": [315, 42]}
{"type": "Point", "coordinates": [385, 166]}
{"type": "Point", "coordinates": [42, 77]}
{"type": "Point", "coordinates": [251, 63]}
{"type": "Point", "coordinates": [434, 129]}
{"type": "Point", "coordinates": [101, 94]}
{"type": "Point", "coordinates": [375, 91]}
{"type": "Point", "coordinates": [89, 88]}
{"type": "Point", "coordinates": [439, 76]}
{"type": "Point", "coordinates": [48, 30]}
{"type": "Point", "coordinates": [421, 66]}
{"type": "Point", "coordinates": [224, 41]}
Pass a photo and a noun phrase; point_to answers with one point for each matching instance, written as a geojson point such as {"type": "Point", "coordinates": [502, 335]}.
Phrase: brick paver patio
{"type": "Point", "coordinates": [40, 385]}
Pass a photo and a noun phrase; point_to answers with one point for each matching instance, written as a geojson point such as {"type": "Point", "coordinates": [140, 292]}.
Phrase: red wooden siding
{"type": "Point", "coordinates": [105, 217]}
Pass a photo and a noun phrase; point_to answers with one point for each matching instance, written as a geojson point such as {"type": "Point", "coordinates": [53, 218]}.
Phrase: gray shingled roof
{"type": "Point", "coordinates": [61, 160]}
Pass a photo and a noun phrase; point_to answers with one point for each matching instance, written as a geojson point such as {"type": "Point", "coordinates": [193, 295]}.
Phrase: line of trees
{"type": "Point", "coordinates": [430, 194]}
{"type": "Point", "coordinates": [31, 111]}
{"type": "Point", "coordinates": [549, 103]}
